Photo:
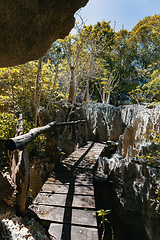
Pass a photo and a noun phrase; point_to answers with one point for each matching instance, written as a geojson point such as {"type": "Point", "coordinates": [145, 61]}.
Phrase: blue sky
{"type": "Point", "coordinates": [125, 13]}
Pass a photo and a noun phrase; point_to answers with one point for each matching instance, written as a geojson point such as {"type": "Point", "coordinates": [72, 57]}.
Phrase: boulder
{"type": "Point", "coordinates": [28, 28]}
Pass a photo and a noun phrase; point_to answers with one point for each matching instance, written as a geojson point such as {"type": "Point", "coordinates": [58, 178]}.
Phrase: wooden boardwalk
{"type": "Point", "coordinates": [66, 201]}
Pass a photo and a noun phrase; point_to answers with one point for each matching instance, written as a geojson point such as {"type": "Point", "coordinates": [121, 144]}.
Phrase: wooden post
{"type": "Point", "coordinates": [20, 172]}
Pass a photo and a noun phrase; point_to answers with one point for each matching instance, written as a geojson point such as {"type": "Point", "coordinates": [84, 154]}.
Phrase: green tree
{"type": "Point", "coordinates": [150, 91]}
{"type": "Point", "coordinates": [100, 42]}
{"type": "Point", "coordinates": [135, 50]}
{"type": "Point", "coordinates": [145, 41]}
{"type": "Point", "coordinates": [22, 87]}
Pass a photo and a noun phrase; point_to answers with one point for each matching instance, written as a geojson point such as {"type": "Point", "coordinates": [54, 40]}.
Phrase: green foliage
{"type": "Point", "coordinates": [145, 40]}
{"type": "Point", "coordinates": [156, 202]}
{"type": "Point", "coordinates": [7, 130]}
{"type": "Point", "coordinates": [4, 101]}
{"type": "Point", "coordinates": [36, 148]}
{"type": "Point", "coordinates": [136, 95]}
{"type": "Point", "coordinates": [8, 124]}
{"type": "Point", "coordinates": [152, 89]}
{"type": "Point", "coordinates": [102, 213]}
{"type": "Point", "coordinates": [134, 51]}
{"type": "Point", "coordinates": [20, 91]}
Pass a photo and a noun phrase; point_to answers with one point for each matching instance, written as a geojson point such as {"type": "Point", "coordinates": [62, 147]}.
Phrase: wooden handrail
{"type": "Point", "coordinates": [20, 142]}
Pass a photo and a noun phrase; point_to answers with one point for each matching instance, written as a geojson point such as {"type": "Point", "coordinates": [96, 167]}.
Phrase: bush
{"type": "Point", "coordinates": [8, 124]}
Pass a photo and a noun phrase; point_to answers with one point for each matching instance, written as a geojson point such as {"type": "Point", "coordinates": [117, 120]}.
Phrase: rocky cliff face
{"type": "Point", "coordinates": [127, 190]}
{"type": "Point", "coordinates": [28, 28]}
{"type": "Point", "coordinates": [129, 182]}
{"type": "Point", "coordinates": [103, 123]}
{"type": "Point", "coordinates": [138, 120]}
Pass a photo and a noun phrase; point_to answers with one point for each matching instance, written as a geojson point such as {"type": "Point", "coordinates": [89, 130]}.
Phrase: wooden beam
{"type": "Point", "coordinates": [20, 142]}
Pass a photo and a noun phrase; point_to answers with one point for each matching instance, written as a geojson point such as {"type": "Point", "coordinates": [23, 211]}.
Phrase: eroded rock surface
{"type": "Point", "coordinates": [104, 122]}
{"type": "Point", "coordinates": [139, 121]}
{"type": "Point", "coordinates": [132, 186]}
{"type": "Point", "coordinates": [7, 189]}
{"type": "Point", "coordinates": [73, 136]}
{"type": "Point", "coordinates": [28, 28]}
{"type": "Point", "coordinates": [128, 182]}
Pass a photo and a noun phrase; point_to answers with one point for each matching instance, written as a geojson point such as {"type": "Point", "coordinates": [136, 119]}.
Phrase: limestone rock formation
{"type": "Point", "coordinates": [104, 122]}
{"type": "Point", "coordinates": [73, 136]}
{"type": "Point", "coordinates": [52, 136]}
{"type": "Point", "coordinates": [130, 182]}
{"type": "Point", "coordinates": [129, 197]}
{"type": "Point", "coordinates": [7, 189]}
{"type": "Point", "coordinates": [28, 28]}
{"type": "Point", "coordinates": [138, 120]}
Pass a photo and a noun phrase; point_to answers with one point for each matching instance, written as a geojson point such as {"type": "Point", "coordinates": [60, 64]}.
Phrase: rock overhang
{"type": "Point", "coordinates": [28, 28]}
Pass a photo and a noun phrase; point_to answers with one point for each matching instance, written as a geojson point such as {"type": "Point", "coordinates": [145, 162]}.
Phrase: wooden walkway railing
{"type": "Point", "coordinates": [19, 160]}
{"type": "Point", "coordinates": [66, 201]}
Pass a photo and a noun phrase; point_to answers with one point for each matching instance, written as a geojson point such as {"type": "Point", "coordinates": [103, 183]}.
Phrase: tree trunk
{"type": "Point", "coordinates": [55, 80]}
{"type": "Point", "coordinates": [37, 92]}
{"type": "Point", "coordinates": [108, 98]}
{"type": "Point", "coordinates": [86, 93]}
{"type": "Point", "coordinates": [72, 90]}
{"type": "Point", "coordinates": [103, 96]}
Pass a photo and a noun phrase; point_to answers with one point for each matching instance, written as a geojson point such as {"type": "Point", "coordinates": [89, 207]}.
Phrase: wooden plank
{"type": "Point", "coordinates": [63, 188]}
{"type": "Point", "coordinates": [75, 232]}
{"type": "Point", "coordinates": [56, 188]}
{"type": "Point", "coordinates": [84, 233]}
{"type": "Point", "coordinates": [81, 201]}
{"type": "Point", "coordinates": [74, 181]}
{"type": "Point", "coordinates": [84, 217]}
{"type": "Point", "coordinates": [49, 213]}
{"type": "Point", "coordinates": [84, 190]}
{"type": "Point", "coordinates": [72, 216]}
{"type": "Point", "coordinates": [67, 182]}
{"type": "Point", "coordinates": [68, 202]}
{"type": "Point", "coordinates": [76, 173]}
{"type": "Point", "coordinates": [51, 199]}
